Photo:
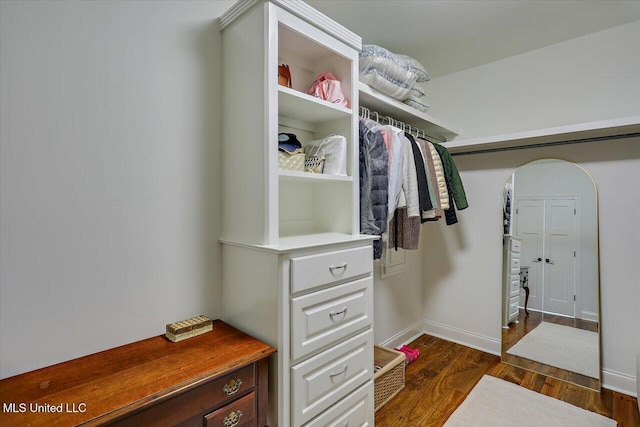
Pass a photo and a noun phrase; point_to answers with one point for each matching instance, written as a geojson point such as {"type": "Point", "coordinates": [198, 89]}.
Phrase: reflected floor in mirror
{"type": "Point", "coordinates": [525, 325]}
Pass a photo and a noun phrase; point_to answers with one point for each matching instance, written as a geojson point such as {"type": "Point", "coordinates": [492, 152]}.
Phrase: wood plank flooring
{"type": "Point", "coordinates": [444, 374]}
{"type": "Point", "coordinates": [526, 324]}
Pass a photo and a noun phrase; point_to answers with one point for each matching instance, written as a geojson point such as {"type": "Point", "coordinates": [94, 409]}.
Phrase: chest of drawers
{"type": "Point", "coordinates": [216, 379]}
{"type": "Point", "coordinates": [315, 304]}
{"type": "Point", "coordinates": [510, 279]}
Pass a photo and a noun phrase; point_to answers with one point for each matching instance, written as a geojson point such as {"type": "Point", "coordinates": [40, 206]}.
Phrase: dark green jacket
{"type": "Point", "coordinates": [454, 184]}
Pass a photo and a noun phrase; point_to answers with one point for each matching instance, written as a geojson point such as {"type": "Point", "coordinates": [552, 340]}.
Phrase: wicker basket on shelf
{"type": "Point", "coordinates": [388, 378]}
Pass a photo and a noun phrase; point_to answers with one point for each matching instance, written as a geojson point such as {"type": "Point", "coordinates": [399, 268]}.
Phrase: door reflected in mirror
{"type": "Point", "coordinates": [550, 275]}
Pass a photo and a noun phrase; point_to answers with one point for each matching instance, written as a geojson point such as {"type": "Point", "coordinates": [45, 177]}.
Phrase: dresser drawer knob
{"type": "Point", "coordinates": [337, 374]}
{"type": "Point", "coordinates": [233, 419]}
{"type": "Point", "coordinates": [232, 387]}
{"type": "Point", "coordinates": [338, 268]}
{"type": "Point", "coordinates": [338, 313]}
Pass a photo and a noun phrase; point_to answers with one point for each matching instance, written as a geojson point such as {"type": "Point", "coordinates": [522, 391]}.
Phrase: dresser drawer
{"type": "Point", "coordinates": [326, 378]}
{"type": "Point", "coordinates": [240, 413]}
{"type": "Point", "coordinates": [329, 315]}
{"type": "Point", "coordinates": [514, 287]}
{"type": "Point", "coordinates": [208, 396]}
{"type": "Point", "coordinates": [354, 410]}
{"type": "Point", "coordinates": [513, 307]}
{"type": "Point", "coordinates": [515, 246]}
{"type": "Point", "coordinates": [311, 271]}
{"type": "Point", "coordinates": [515, 263]}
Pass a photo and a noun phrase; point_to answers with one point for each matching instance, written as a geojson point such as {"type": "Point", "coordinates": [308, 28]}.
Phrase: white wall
{"type": "Point", "coordinates": [586, 79]}
{"type": "Point", "coordinates": [590, 78]}
{"type": "Point", "coordinates": [398, 302]}
{"type": "Point", "coordinates": [109, 177]}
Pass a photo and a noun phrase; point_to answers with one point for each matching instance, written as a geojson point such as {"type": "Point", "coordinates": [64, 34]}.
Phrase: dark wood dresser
{"type": "Point", "coordinates": [215, 379]}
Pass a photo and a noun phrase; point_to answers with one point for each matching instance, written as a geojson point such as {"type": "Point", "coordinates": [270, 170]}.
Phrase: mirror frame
{"type": "Point", "coordinates": [537, 367]}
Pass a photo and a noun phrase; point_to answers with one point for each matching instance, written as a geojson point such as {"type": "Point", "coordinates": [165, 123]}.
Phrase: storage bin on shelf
{"type": "Point", "coordinates": [389, 374]}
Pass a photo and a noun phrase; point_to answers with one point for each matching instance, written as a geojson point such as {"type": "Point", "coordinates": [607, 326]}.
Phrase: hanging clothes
{"type": "Point", "coordinates": [404, 231]}
{"type": "Point", "coordinates": [440, 177]}
{"type": "Point", "coordinates": [423, 189]}
{"type": "Point", "coordinates": [374, 185]}
{"type": "Point", "coordinates": [394, 141]}
{"type": "Point", "coordinates": [432, 181]}
{"type": "Point", "coordinates": [404, 182]}
{"type": "Point", "coordinates": [404, 227]}
{"type": "Point", "coordinates": [457, 195]}
{"type": "Point", "coordinates": [428, 215]}
{"type": "Point", "coordinates": [409, 197]}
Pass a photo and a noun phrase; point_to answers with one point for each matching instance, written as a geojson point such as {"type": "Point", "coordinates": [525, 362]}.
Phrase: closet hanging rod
{"type": "Point", "coordinates": [365, 113]}
{"type": "Point", "coordinates": [551, 144]}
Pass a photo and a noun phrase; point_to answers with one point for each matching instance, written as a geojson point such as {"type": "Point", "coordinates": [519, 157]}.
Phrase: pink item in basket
{"type": "Point", "coordinates": [412, 354]}
{"type": "Point", "coordinates": [328, 88]}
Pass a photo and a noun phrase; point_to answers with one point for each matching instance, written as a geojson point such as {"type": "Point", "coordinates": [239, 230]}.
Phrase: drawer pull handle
{"type": "Point", "coordinates": [340, 268]}
{"type": "Point", "coordinates": [337, 313]}
{"type": "Point", "coordinates": [232, 387]}
{"type": "Point", "coordinates": [233, 419]}
{"type": "Point", "coordinates": [339, 373]}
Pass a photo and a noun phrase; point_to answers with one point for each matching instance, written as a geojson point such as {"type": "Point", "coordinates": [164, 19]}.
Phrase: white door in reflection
{"type": "Point", "coordinates": [529, 226]}
{"type": "Point", "coordinates": [549, 235]}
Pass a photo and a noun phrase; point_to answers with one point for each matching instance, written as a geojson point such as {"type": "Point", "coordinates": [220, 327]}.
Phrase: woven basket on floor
{"type": "Point", "coordinates": [389, 377]}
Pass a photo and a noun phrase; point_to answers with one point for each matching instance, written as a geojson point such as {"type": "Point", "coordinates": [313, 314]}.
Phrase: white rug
{"type": "Point", "coordinates": [564, 347]}
{"type": "Point", "coordinates": [497, 403]}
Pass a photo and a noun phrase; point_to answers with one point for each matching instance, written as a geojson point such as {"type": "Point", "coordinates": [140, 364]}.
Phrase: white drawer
{"type": "Point", "coordinates": [308, 272]}
{"type": "Point", "coordinates": [327, 316]}
{"type": "Point", "coordinates": [513, 307]}
{"type": "Point", "coordinates": [322, 380]}
{"type": "Point", "coordinates": [515, 263]}
{"type": "Point", "coordinates": [354, 410]}
{"type": "Point", "coordinates": [514, 289]}
{"type": "Point", "coordinates": [515, 245]}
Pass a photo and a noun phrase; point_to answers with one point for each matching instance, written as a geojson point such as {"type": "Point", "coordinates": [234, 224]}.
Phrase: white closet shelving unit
{"type": "Point", "coordinates": [296, 272]}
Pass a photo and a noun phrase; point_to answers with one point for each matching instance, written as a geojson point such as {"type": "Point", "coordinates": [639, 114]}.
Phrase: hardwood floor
{"type": "Point", "coordinates": [444, 374]}
{"type": "Point", "coordinates": [526, 324]}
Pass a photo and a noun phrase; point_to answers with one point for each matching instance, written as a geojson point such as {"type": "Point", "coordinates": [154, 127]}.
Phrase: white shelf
{"type": "Point", "coordinates": [599, 129]}
{"type": "Point", "coordinates": [300, 106]}
{"type": "Point", "coordinates": [311, 177]}
{"type": "Point", "coordinates": [316, 240]}
{"type": "Point", "coordinates": [386, 106]}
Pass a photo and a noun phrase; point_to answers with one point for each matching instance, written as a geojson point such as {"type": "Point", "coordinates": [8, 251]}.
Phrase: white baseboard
{"type": "Point", "coordinates": [404, 337]}
{"type": "Point", "coordinates": [617, 381]}
{"type": "Point", "coordinates": [463, 337]}
{"type": "Point", "coordinates": [587, 315]}
{"type": "Point", "coordinates": [459, 336]}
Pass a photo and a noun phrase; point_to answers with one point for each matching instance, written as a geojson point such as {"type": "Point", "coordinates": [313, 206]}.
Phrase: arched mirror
{"type": "Point", "coordinates": [550, 297]}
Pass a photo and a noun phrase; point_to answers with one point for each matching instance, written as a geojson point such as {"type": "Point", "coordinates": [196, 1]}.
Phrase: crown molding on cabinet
{"type": "Point", "coordinates": [303, 11]}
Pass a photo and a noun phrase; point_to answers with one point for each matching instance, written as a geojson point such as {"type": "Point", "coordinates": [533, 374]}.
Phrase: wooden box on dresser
{"type": "Point", "coordinates": [296, 272]}
{"type": "Point", "coordinates": [216, 379]}
{"type": "Point", "coordinates": [510, 279]}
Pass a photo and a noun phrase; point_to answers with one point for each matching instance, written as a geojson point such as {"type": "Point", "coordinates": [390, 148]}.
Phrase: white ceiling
{"type": "Point", "coordinates": [452, 35]}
